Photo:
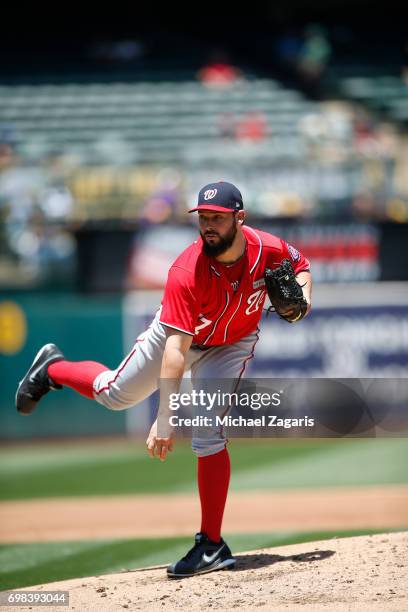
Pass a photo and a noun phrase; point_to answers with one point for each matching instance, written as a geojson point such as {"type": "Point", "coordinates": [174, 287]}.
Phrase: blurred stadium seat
{"type": "Point", "coordinates": [387, 94]}
{"type": "Point", "coordinates": [157, 120]}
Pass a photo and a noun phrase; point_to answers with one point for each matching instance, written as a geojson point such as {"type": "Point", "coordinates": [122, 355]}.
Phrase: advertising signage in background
{"type": "Point", "coordinates": [340, 253]}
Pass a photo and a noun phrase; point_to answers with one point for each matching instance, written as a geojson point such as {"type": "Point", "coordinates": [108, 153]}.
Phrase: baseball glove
{"type": "Point", "coordinates": [285, 293]}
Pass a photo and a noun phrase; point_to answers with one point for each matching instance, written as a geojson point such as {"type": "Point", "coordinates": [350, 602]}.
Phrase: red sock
{"type": "Point", "coordinates": [213, 480]}
{"type": "Point", "coordinates": [78, 375]}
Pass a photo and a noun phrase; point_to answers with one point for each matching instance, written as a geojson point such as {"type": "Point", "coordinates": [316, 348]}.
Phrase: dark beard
{"type": "Point", "coordinates": [213, 250]}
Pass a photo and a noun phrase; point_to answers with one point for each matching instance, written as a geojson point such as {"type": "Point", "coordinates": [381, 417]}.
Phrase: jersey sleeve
{"type": "Point", "coordinates": [298, 260]}
{"type": "Point", "coordinates": [180, 307]}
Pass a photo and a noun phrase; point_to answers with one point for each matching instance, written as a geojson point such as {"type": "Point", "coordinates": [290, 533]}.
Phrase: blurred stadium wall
{"type": "Point", "coordinates": [356, 330]}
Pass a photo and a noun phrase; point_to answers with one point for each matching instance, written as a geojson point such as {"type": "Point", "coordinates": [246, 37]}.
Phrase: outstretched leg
{"type": "Point", "coordinates": [79, 375]}
{"type": "Point", "coordinates": [134, 380]}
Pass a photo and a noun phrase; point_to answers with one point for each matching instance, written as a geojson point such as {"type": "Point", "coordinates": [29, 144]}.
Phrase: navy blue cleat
{"type": "Point", "coordinates": [205, 556]}
{"type": "Point", "coordinates": [36, 382]}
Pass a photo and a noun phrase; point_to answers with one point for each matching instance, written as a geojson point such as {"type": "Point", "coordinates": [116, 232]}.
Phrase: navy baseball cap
{"type": "Point", "coordinates": [220, 197]}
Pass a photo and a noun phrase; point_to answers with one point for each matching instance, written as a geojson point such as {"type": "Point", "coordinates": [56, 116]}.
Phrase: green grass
{"type": "Point", "coordinates": [28, 564]}
{"type": "Point", "coordinates": [109, 469]}
{"type": "Point", "coordinates": [36, 471]}
{"type": "Point", "coordinates": [345, 463]}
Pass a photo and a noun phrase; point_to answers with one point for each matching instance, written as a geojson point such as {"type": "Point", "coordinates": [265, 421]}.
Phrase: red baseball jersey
{"type": "Point", "coordinates": [219, 304]}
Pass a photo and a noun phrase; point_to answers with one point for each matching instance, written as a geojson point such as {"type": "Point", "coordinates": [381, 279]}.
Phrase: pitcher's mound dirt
{"type": "Point", "coordinates": [367, 574]}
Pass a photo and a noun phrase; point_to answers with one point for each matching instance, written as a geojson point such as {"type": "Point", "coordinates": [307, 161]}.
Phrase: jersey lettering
{"type": "Point", "coordinates": [205, 323]}
{"type": "Point", "coordinates": [254, 301]}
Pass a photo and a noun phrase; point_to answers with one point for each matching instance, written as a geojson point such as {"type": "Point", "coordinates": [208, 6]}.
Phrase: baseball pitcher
{"type": "Point", "coordinates": [208, 323]}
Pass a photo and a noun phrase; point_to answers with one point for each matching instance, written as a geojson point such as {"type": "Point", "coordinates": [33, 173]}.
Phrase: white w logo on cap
{"type": "Point", "coordinates": [210, 194]}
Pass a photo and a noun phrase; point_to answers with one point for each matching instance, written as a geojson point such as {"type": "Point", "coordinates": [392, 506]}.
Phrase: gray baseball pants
{"type": "Point", "coordinates": [137, 376]}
